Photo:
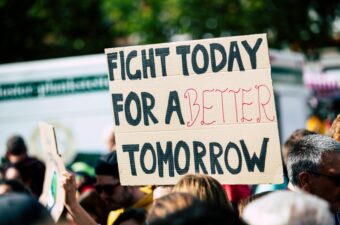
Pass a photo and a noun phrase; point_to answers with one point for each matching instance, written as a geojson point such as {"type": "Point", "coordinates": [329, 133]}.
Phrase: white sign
{"type": "Point", "coordinates": [53, 196]}
{"type": "Point", "coordinates": [204, 106]}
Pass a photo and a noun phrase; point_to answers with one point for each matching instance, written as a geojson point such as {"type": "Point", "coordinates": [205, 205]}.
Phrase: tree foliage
{"type": "Point", "coordinates": [35, 29]}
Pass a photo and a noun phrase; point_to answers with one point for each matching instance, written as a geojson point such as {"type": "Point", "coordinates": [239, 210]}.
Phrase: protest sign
{"type": "Point", "coordinates": [203, 106]}
{"type": "Point", "coordinates": [53, 196]}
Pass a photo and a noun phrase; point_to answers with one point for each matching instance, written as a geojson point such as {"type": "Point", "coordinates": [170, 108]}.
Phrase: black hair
{"type": "Point", "coordinates": [108, 165]}
{"type": "Point", "coordinates": [201, 214]}
{"type": "Point", "coordinates": [17, 209]}
{"type": "Point", "coordinates": [32, 173]}
{"type": "Point", "coordinates": [16, 145]}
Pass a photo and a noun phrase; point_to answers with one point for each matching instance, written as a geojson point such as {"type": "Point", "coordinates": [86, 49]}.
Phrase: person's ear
{"type": "Point", "coordinates": [305, 181]}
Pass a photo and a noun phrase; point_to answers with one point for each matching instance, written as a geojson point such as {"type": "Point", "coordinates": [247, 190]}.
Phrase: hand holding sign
{"type": "Point", "coordinates": [68, 182]}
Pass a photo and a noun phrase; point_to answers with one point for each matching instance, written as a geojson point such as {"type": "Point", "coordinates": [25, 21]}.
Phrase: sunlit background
{"type": "Point", "coordinates": [52, 65]}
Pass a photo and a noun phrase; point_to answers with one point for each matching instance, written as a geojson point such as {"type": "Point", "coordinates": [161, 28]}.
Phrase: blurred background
{"type": "Point", "coordinates": [52, 65]}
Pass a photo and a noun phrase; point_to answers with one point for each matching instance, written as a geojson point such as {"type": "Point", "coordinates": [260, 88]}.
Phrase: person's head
{"type": "Point", "coordinates": [18, 209]}
{"type": "Point", "coordinates": [16, 149]}
{"type": "Point", "coordinates": [14, 172]}
{"type": "Point", "coordinates": [29, 172]}
{"type": "Point", "coordinates": [292, 139]}
{"type": "Point", "coordinates": [170, 203]}
{"type": "Point", "coordinates": [12, 186]}
{"type": "Point", "coordinates": [204, 188]}
{"type": "Point", "coordinates": [335, 128]}
{"type": "Point", "coordinates": [244, 202]}
{"type": "Point", "coordinates": [201, 213]}
{"type": "Point", "coordinates": [288, 208]}
{"type": "Point", "coordinates": [131, 216]}
{"type": "Point", "coordinates": [108, 185]}
{"type": "Point", "coordinates": [314, 166]}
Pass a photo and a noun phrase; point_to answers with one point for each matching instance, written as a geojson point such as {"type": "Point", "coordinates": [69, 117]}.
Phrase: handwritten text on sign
{"type": "Point", "coordinates": [203, 106]}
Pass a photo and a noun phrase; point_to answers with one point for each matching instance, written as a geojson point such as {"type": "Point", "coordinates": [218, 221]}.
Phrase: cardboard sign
{"type": "Point", "coordinates": [53, 196]}
{"type": "Point", "coordinates": [204, 106]}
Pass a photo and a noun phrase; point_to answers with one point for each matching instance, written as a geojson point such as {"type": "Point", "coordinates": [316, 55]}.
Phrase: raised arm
{"type": "Point", "coordinates": [79, 215]}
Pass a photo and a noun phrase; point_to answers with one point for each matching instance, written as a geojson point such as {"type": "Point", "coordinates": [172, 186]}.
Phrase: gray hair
{"type": "Point", "coordinates": [294, 209]}
{"type": "Point", "coordinates": [307, 153]}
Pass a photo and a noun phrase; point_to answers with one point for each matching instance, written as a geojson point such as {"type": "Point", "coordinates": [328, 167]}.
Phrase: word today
{"type": "Point", "coordinates": [187, 56]}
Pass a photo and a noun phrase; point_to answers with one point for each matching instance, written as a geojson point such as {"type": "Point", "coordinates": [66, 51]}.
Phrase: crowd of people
{"type": "Point", "coordinates": [310, 193]}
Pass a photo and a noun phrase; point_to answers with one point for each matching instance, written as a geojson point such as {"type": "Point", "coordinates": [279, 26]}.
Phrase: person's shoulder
{"type": "Point", "coordinates": [32, 161]}
{"type": "Point", "coordinates": [113, 215]}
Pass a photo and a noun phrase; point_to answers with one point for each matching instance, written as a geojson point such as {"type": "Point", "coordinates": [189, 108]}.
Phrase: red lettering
{"type": "Point", "coordinates": [187, 95]}
{"type": "Point", "coordinates": [201, 108]}
{"type": "Point", "coordinates": [222, 102]}
{"type": "Point", "coordinates": [245, 104]}
{"type": "Point", "coordinates": [263, 104]}
{"type": "Point", "coordinates": [203, 122]}
{"type": "Point", "coordinates": [235, 92]}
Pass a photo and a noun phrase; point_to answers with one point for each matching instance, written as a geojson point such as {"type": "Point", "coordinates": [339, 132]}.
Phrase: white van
{"type": "Point", "coordinates": [70, 93]}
